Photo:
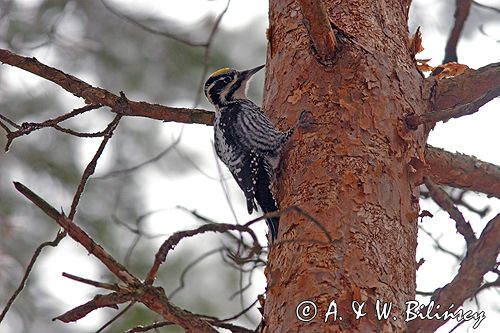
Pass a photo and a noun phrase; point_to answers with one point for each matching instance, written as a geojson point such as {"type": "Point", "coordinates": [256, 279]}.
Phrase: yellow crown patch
{"type": "Point", "coordinates": [221, 71]}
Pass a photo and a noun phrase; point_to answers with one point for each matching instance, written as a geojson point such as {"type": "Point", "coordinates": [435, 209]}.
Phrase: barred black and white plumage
{"type": "Point", "coordinates": [245, 139]}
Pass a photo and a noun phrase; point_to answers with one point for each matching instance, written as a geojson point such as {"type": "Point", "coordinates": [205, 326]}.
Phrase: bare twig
{"type": "Point", "coordinates": [60, 235]}
{"type": "Point", "coordinates": [189, 266]}
{"type": "Point", "coordinates": [463, 171]}
{"type": "Point", "coordinates": [136, 167]}
{"type": "Point", "coordinates": [461, 13]}
{"type": "Point", "coordinates": [93, 283]}
{"type": "Point", "coordinates": [149, 327]}
{"type": "Point", "coordinates": [318, 25]}
{"type": "Point", "coordinates": [99, 301]}
{"type": "Point", "coordinates": [497, 10]}
{"type": "Point", "coordinates": [149, 29]}
{"type": "Point", "coordinates": [424, 293]}
{"type": "Point", "coordinates": [27, 128]}
{"type": "Point", "coordinates": [206, 54]}
{"type": "Point", "coordinates": [79, 236]}
{"type": "Point", "coordinates": [480, 260]}
{"type": "Point", "coordinates": [115, 317]}
{"type": "Point", "coordinates": [439, 246]}
{"type": "Point", "coordinates": [414, 120]}
{"type": "Point", "coordinates": [89, 170]}
{"type": "Point", "coordinates": [173, 240]}
{"type": "Point", "coordinates": [444, 201]}
{"type": "Point", "coordinates": [242, 312]}
{"type": "Point", "coordinates": [153, 298]}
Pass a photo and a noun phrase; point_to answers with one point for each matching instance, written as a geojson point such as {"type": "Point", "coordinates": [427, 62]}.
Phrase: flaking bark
{"type": "Point", "coordinates": [348, 168]}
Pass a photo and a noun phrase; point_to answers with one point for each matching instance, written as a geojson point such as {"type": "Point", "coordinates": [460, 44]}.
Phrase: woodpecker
{"type": "Point", "coordinates": [245, 139]}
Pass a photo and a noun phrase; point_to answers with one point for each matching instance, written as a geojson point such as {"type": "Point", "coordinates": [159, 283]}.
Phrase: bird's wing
{"type": "Point", "coordinates": [255, 131]}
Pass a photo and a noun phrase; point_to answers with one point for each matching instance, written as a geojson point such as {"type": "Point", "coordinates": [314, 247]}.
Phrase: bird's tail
{"type": "Point", "coordinates": [266, 201]}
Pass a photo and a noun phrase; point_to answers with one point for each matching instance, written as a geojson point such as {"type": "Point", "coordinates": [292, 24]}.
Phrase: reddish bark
{"type": "Point", "coordinates": [349, 168]}
{"type": "Point", "coordinates": [463, 171]}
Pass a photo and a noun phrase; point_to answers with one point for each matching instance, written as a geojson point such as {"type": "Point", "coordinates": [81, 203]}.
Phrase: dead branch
{"type": "Point", "coordinates": [173, 240]}
{"type": "Point", "coordinates": [93, 283]}
{"type": "Point", "coordinates": [480, 5]}
{"type": "Point", "coordinates": [138, 166]}
{"type": "Point", "coordinates": [474, 88]}
{"type": "Point", "coordinates": [317, 23]}
{"type": "Point", "coordinates": [149, 29]}
{"type": "Point", "coordinates": [154, 298]}
{"type": "Point", "coordinates": [60, 235]}
{"type": "Point", "coordinates": [80, 236]}
{"type": "Point", "coordinates": [146, 328]}
{"type": "Point", "coordinates": [413, 120]}
{"type": "Point", "coordinates": [461, 13]}
{"type": "Point", "coordinates": [115, 317]}
{"type": "Point", "coordinates": [480, 260]}
{"type": "Point", "coordinates": [95, 95]}
{"type": "Point", "coordinates": [460, 95]}
{"type": "Point", "coordinates": [89, 170]}
{"type": "Point", "coordinates": [99, 301]}
{"type": "Point", "coordinates": [440, 247]}
{"type": "Point", "coordinates": [27, 128]}
{"type": "Point", "coordinates": [445, 202]}
{"type": "Point", "coordinates": [463, 171]}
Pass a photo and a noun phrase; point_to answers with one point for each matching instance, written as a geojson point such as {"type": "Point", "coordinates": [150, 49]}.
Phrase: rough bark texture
{"type": "Point", "coordinates": [350, 168]}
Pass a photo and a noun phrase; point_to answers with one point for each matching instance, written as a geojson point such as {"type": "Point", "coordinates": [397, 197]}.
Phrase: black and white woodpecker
{"type": "Point", "coordinates": [245, 139]}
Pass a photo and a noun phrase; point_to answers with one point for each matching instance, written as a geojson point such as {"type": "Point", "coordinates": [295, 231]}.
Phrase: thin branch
{"type": "Point", "coordinates": [206, 54]}
{"type": "Point", "coordinates": [445, 202]}
{"type": "Point", "coordinates": [320, 31]}
{"type": "Point", "coordinates": [231, 327]}
{"type": "Point", "coordinates": [439, 246]}
{"type": "Point", "coordinates": [89, 170]}
{"type": "Point", "coordinates": [424, 293]}
{"type": "Point", "coordinates": [99, 301]}
{"type": "Point", "coordinates": [136, 167]}
{"type": "Point", "coordinates": [173, 240]}
{"type": "Point", "coordinates": [152, 297]}
{"type": "Point", "coordinates": [480, 260]}
{"type": "Point", "coordinates": [79, 236]}
{"type": "Point", "coordinates": [189, 266]}
{"type": "Point", "coordinates": [27, 128]}
{"type": "Point", "coordinates": [242, 312]}
{"type": "Point", "coordinates": [487, 285]}
{"type": "Point", "coordinates": [497, 10]}
{"type": "Point", "coordinates": [414, 120]}
{"type": "Point", "coordinates": [146, 328]}
{"type": "Point", "coordinates": [118, 315]}
{"type": "Point", "coordinates": [149, 29]}
{"type": "Point", "coordinates": [95, 95]}
{"type": "Point", "coordinates": [459, 200]}
{"type": "Point", "coordinates": [60, 235]}
{"type": "Point", "coordinates": [463, 171]}
{"type": "Point", "coordinates": [461, 13]}
{"type": "Point", "coordinates": [93, 283]}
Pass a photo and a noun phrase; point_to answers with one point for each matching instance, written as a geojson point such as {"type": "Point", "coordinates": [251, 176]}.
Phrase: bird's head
{"type": "Point", "coordinates": [228, 84]}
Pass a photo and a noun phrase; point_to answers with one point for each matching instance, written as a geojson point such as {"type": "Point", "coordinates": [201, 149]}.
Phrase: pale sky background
{"type": "Point", "coordinates": [476, 135]}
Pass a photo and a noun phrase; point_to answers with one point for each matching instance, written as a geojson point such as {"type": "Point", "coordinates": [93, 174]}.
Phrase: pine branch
{"type": "Point", "coordinates": [95, 95]}
{"type": "Point", "coordinates": [463, 171]}
{"type": "Point", "coordinates": [479, 260]}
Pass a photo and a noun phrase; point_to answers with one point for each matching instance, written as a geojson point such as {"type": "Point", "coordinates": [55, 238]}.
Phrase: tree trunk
{"type": "Point", "coordinates": [352, 167]}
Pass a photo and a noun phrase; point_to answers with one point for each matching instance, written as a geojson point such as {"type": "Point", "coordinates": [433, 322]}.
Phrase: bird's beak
{"type": "Point", "coordinates": [248, 73]}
